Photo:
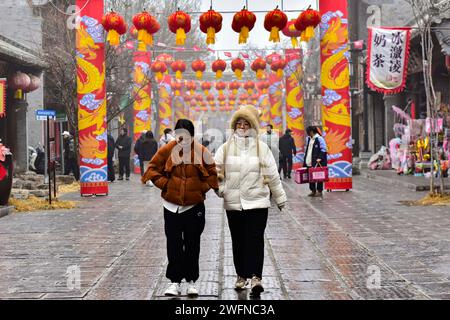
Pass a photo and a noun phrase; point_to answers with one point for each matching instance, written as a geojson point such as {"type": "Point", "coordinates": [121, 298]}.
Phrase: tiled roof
{"type": "Point", "coordinates": [19, 54]}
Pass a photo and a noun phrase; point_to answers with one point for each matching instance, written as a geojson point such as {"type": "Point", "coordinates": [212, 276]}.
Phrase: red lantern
{"type": "Point", "coordinates": [232, 99]}
{"type": "Point", "coordinates": [210, 23]}
{"type": "Point", "coordinates": [198, 66]}
{"type": "Point", "coordinates": [199, 98]}
{"type": "Point", "coordinates": [211, 99]}
{"type": "Point", "coordinates": [238, 66]}
{"type": "Point", "coordinates": [191, 86]}
{"type": "Point", "coordinates": [19, 81]}
{"type": "Point", "coordinates": [278, 66]}
{"type": "Point", "coordinates": [254, 98]}
{"type": "Point", "coordinates": [219, 67]}
{"type": "Point", "coordinates": [222, 98]}
{"type": "Point", "coordinates": [271, 58]}
{"type": "Point", "coordinates": [306, 22]}
{"type": "Point", "coordinates": [275, 21]}
{"type": "Point", "coordinates": [206, 86]}
{"type": "Point", "coordinates": [259, 65]}
{"type": "Point", "coordinates": [263, 86]}
{"type": "Point", "coordinates": [292, 32]}
{"type": "Point", "coordinates": [115, 25]}
{"type": "Point", "coordinates": [220, 86]}
{"type": "Point", "coordinates": [234, 86]}
{"type": "Point", "coordinates": [176, 86]}
{"type": "Point", "coordinates": [146, 26]}
{"type": "Point", "coordinates": [178, 67]}
{"type": "Point", "coordinates": [35, 83]}
{"type": "Point", "coordinates": [158, 68]}
{"type": "Point", "coordinates": [249, 86]}
{"type": "Point", "coordinates": [243, 23]}
{"type": "Point", "coordinates": [180, 24]}
{"type": "Point", "coordinates": [243, 98]}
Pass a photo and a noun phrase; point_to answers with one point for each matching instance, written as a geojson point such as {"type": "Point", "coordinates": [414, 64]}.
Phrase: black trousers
{"type": "Point", "coordinates": [247, 236]}
{"type": "Point", "coordinates": [183, 233]}
{"type": "Point", "coordinates": [71, 165]}
{"type": "Point", "coordinates": [316, 187]}
{"type": "Point", "coordinates": [111, 173]}
{"type": "Point", "coordinates": [285, 165]}
{"type": "Point", "coordinates": [124, 165]}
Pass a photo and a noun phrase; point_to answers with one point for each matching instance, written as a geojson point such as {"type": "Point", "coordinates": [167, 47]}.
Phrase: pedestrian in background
{"type": "Point", "coordinates": [111, 149]}
{"type": "Point", "coordinates": [123, 143]}
{"type": "Point", "coordinates": [315, 155]}
{"type": "Point", "coordinates": [166, 137]}
{"type": "Point", "coordinates": [185, 171]}
{"type": "Point", "coordinates": [146, 150]}
{"type": "Point", "coordinates": [247, 174]}
{"type": "Point", "coordinates": [287, 153]}
{"type": "Point", "coordinates": [70, 156]}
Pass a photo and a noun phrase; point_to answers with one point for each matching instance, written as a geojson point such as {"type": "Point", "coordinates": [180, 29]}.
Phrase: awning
{"type": "Point", "coordinates": [14, 52]}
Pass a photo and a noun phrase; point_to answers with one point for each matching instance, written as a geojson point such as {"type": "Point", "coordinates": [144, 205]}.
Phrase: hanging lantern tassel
{"type": "Point", "coordinates": [274, 34]}
{"type": "Point", "coordinates": [219, 74]}
{"type": "Point", "coordinates": [238, 73]}
{"type": "Point", "coordinates": [192, 92]}
{"type": "Point", "coordinates": [280, 73]}
{"type": "Point", "coordinates": [294, 42]}
{"type": "Point", "coordinates": [211, 36]}
{"type": "Point", "coordinates": [113, 37]}
{"type": "Point", "coordinates": [180, 37]}
{"type": "Point", "coordinates": [198, 74]}
{"type": "Point", "coordinates": [235, 91]}
{"type": "Point", "coordinates": [159, 76]}
{"type": "Point", "coordinates": [243, 35]}
{"type": "Point", "coordinates": [178, 75]}
{"type": "Point", "coordinates": [307, 34]}
{"type": "Point", "coordinates": [260, 74]}
{"type": "Point", "coordinates": [206, 92]}
{"type": "Point", "coordinates": [177, 92]}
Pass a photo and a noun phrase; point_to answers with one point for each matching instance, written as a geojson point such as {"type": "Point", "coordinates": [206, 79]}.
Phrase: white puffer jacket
{"type": "Point", "coordinates": [246, 184]}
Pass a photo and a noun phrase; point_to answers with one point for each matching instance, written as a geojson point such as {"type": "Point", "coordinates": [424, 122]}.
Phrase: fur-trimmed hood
{"type": "Point", "coordinates": [249, 113]}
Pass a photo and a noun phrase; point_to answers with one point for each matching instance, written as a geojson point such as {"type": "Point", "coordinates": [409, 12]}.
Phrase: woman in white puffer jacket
{"type": "Point", "coordinates": [247, 174]}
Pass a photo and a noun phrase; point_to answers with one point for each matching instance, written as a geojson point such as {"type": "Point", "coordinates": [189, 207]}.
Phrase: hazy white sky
{"type": "Point", "coordinates": [228, 39]}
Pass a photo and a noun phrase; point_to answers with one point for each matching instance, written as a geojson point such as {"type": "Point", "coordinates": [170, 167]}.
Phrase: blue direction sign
{"type": "Point", "coordinates": [43, 114]}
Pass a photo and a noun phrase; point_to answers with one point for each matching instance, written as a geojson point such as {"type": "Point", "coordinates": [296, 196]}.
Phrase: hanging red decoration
{"type": "Point", "coordinates": [220, 86]}
{"type": "Point", "coordinates": [115, 25]}
{"type": "Point", "coordinates": [211, 99]}
{"type": "Point", "coordinates": [278, 66]}
{"type": "Point", "coordinates": [243, 98]}
{"type": "Point", "coordinates": [199, 97]}
{"type": "Point", "coordinates": [146, 26]}
{"type": "Point", "coordinates": [238, 66]}
{"type": "Point", "coordinates": [191, 86]}
{"type": "Point", "coordinates": [158, 68]}
{"type": "Point", "coordinates": [176, 87]}
{"type": "Point", "coordinates": [222, 98]}
{"type": "Point", "coordinates": [206, 86]}
{"type": "Point", "coordinates": [166, 58]}
{"type": "Point", "coordinates": [259, 65]}
{"type": "Point", "coordinates": [35, 83]}
{"type": "Point", "coordinates": [232, 99]}
{"type": "Point", "coordinates": [274, 22]}
{"type": "Point", "coordinates": [198, 66]}
{"type": "Point", "coordinates": [292, 32]}
{"type": "Point", "coordinates": [219, 67]}
{"type": "Point", "coordinates": [306, 22]}
{"type": "Point", "coordinates": [180, 24]}
{"type": "Point", "coordinates": [249, 86]}
{"type": "Point", "coordinates": [243, 23]}
{"type": "Point", "coordinates": [254, 98]}
{"type": "Point", "coordinates": [271, 58]}
{"type": "Point", "coordinates": [263, 86]}
{"type": "Point", "coordinates": [234, 86]}
{"type": "Point", "coordinates": [210, 23]}
{"type": "Point", "coordinates": [178, 67]}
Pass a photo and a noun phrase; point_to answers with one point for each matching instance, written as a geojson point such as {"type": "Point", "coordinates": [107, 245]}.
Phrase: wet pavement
{"type": "Point", "coordinates": [361, 244]}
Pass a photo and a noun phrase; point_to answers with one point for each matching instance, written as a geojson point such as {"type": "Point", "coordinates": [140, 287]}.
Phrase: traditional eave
{"type": "Point", "coordinates": [12, 51]}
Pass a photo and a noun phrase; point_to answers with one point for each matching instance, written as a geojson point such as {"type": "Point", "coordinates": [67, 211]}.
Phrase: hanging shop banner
{"type": "Point", "coordinates": [2, 98]}
{"type": "Point", "coordinates": [335, 79]}
{"type": "Point", "coordinates": [276, 101]}
{"type": "Point", "coordinates": [387, 65]}
{"type": "Point", "coordinates": [92, 136]}
{"type": "Point", "coordinates": [165, 105]}
{"type": "Point", "coordinates": [295, 103]}
{"type": "Point", "coordinates": [142, 91]}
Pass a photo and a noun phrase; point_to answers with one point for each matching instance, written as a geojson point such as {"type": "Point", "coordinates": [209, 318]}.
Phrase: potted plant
{"type": "Point", "coordinates": [6, 174]}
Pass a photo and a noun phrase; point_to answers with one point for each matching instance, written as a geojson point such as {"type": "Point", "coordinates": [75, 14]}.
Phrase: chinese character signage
{"type": "Point", "coordinates": [388, 59]}
{"type": "Point", "coordinates": [2, 98]}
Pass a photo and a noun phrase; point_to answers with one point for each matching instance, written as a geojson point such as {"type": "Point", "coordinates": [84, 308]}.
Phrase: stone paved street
{"type": "Point", "coordinates": [316, 249]}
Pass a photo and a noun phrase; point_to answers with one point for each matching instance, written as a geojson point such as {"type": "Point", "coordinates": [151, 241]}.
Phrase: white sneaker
{"type": "Point", "coordinates": [149, 184]}
{"type": "Point", "coordinates": [173, 290]}
{"type": "Point", "coordinates": [192, 289]}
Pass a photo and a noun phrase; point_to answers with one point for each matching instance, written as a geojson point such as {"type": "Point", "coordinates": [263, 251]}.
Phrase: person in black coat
{"type": "Point", "coordinates": [123, 143]}
{"type": "Point", "coordinates": [111, 149]}
{"type": "Point", "coordinates": [146, 147]}
{"type": "Point", "coordinates": [315, 155]}
{"type": "Point", "coordinates": [287, 152]}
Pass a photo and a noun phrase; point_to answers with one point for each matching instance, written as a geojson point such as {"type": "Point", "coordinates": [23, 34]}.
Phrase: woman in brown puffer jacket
{"type": "Point", "coordinates": [185, 171]}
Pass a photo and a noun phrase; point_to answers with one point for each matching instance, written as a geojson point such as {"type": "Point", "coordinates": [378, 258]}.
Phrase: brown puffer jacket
{"type": "Point", "coordinates": [182, 182]}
